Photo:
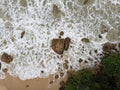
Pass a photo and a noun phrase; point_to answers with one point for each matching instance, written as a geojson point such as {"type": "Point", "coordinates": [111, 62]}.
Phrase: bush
{"type": "Point", "coordinates": [87, 80]}
{"type": "Point", "coordinates": [79, 80]}
{"type": "Point", "coordinates": [112, 64]}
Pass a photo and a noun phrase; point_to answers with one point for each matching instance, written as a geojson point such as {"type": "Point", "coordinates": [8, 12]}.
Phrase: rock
{"type": "Point", "coordinates": [80, 60]}
{"type": "Point", "coordinates": [42, 71]}
{"type": "Point", "coordinates": [86, 40]}
{"type": "Point", "coordinates": [0, 65]}
{"type": "Point", "coordinates": [90, 59]}
{"type": "Point", "coordinates": [61, 33]}
{"type": "Point", "coordinates": [107, 47]}
{"type": "Point", "coordinates": [100, 36]}
{"type": "Point", "coordinates": [85, 1]}
{"type": "Point", "coordinates": [62, 88]}
{"type": "Point", "coordinates": [61, 74]}
{"type": "Point", "coordinates": [27, 86]}
{"type": "Point", "coordinates": [85, 61]}
{"type": "Point", "coordinates": [119, 45]}
{"type": "Point", "coordinates": [58, 45]}
{"type": "Point", "coordinates": [5, 70]}
{"type": "Point", "coordinates": [51, 82]}
{"type": "Point", "coordinates": [66, 61]}
{"type": "Point", "coordinates": [95, 51]}
{"type": "Point", "coordinates": [22, 34]}
{"type": "Point", "coordinates": [71, 67]}
{"type": "Point", "coordinates": [90, 52]}
{"type": "Point", "coordinates": [67, 43]}
{"type": "Point", "coordinates": [70, 72]}
{"type": "Point", "coordinates": [56, 76]}
{"type": "Point", "coordinates": [6, 58]}
{"type": "Point", "coordinates": [62, 83]}
{"type": "Point", "coordinates": [65, 65]}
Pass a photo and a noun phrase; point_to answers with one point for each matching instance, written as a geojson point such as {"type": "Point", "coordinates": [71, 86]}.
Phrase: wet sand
{"type": "Point", "coordinates": [14, 83]}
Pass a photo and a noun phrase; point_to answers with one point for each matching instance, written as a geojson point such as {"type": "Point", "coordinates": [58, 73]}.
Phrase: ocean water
{"type": "Point", "coordinates": [43, 20]}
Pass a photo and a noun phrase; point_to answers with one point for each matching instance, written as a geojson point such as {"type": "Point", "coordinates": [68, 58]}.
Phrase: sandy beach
{"type": "Point", "coordinates": [12, 83]}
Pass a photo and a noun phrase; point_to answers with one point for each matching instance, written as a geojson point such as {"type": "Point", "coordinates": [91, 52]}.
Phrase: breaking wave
{"type": "Point", "coordinates": [96, 20]}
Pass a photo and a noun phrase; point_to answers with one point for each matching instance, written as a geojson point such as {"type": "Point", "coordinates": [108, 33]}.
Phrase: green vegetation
{"type": "Point", "coordinates": [112, 69]}
{"type": "Point", "coordinates": [106, 78]}
{"type": "Point", "coordinates": [112, 64]}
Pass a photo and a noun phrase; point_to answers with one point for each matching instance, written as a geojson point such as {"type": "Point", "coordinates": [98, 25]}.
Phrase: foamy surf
{"type": "Point", "coordinates": [97, 20]}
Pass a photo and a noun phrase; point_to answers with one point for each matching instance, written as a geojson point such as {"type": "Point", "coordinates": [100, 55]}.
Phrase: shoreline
{"type": "Point", "coordinates": [14, 83]}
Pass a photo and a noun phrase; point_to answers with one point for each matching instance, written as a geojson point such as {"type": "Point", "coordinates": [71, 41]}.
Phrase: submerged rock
{"type": "Point", "coordinates": [104, 29]}
{"type": "Point", "coordinates": [86, 40]}
{"type": "Point", "coordinates": [23, 3]}
{"type": "Point", "coordinates": [56, 11]}
{"type": "Point", "coordinates": [65, 65]}
{"type": "Point", "coordinates": [112, 35]}
{"type": "Point", "coordinates": [85, 1]}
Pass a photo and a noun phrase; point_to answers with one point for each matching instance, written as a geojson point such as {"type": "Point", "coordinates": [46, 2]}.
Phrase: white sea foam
{"type": "Point", "coordinates": [33, 54]}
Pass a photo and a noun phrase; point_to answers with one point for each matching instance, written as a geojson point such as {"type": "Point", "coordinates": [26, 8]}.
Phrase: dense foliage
{"type": "Point", "coordinates": [106, 78]}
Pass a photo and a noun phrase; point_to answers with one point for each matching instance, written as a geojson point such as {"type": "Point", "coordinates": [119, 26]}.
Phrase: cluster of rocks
{"type": "Point", "coordinates": [6, 58]}
{"type": "Point", "coordinates": [109, 48]}
{"type": "Point", "coordinates": [60, 44]}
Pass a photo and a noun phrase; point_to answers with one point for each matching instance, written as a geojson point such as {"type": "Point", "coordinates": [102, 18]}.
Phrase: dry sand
{"type": "Point", "coordinates": [14, 83]}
